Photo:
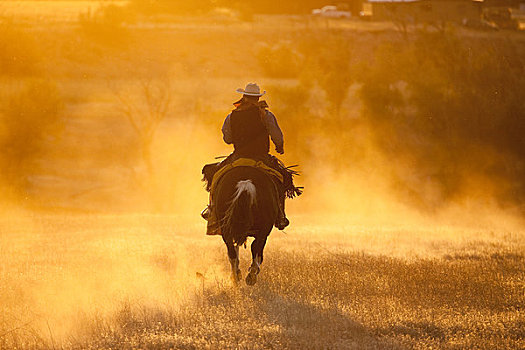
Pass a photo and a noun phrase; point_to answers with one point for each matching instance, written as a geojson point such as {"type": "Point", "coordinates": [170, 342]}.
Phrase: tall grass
{"type": "Point", "coordinates": [124, 282]}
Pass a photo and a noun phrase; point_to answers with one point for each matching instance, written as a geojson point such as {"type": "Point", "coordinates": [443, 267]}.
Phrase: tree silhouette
{"type": "Point", "coordinates": [145, 105]}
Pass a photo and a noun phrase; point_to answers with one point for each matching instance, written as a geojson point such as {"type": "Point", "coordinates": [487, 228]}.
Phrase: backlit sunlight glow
{"type": "Point", "coordinates": [410, 231]}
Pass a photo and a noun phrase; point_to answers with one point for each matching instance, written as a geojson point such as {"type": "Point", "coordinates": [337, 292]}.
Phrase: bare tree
{"type": "Point", "coordinates": [402, 23]}
{"type": "Point", "coordinates": [145, 104]}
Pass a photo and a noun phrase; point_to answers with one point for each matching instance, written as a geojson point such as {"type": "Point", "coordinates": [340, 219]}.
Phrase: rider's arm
{"type": "Point", "coordinates": [274, 130]}
{"type": "Point", "coordinates": [227, 130]}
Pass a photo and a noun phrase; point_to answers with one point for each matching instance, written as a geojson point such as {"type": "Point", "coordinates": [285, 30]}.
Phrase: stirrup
{"type": "Point", "coordinates": [205, 214]}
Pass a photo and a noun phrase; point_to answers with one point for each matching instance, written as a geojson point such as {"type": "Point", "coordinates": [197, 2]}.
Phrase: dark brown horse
{"type": "Point", "coordinates": [247, 205]}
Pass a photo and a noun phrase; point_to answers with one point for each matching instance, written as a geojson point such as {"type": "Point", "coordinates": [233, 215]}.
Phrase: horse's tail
{"type": "Point", "coordinates": [238, 218]}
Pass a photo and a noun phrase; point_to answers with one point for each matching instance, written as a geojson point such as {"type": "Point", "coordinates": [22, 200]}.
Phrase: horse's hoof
{"type": "Point", "coordinates": [236, 278]}
{"type": "Point", "coordinates": [251, 278]}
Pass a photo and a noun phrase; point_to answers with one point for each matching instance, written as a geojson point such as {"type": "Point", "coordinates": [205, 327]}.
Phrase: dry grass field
{"type": "Point", "coordinates": [101, 246]}
{"type": "Point", "coordinates": [150, 281]}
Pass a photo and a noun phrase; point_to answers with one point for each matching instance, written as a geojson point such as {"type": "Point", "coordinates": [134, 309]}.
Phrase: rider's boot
{"type": "Point", "coordinates": [282, 221]}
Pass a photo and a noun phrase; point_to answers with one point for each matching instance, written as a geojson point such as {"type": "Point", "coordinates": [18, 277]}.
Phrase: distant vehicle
{"type": "Point", "coordinates": [479, 24]}
{"type": "Point", "coordinates": [501, 17]}
{"type": "Point", "coordinates": [331, 11]}
{"type": "Point", "coordinates": [366, 13]}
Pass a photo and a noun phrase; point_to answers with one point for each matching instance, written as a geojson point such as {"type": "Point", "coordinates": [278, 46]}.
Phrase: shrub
{"type": "Point", "coordinates": [445, 103]}
{"type": "Point", "coordinates": [19, 54]}
{"type": "Point", "coordinates": [30, 118]}
{"type": "Point", "coordinates": [280, 60]}
{"type": "Point", "coordinates": [106, 25]}
{"type": "Point", "coordinates": [150, 7]}
{"type": "Point", "coordinates": [295, 119]}
{"type": "Point", "coordinates": [335, 61]}
{"type": "Point", "coordinates": [329, 61]}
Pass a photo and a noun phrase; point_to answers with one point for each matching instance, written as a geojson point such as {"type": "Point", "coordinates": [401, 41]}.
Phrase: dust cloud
{"type": "Point", "coordinates": [131, 114]}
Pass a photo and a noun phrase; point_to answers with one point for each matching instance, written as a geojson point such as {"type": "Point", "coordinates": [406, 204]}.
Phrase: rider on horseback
{"type": "Point", "coordinates": [249, 127]}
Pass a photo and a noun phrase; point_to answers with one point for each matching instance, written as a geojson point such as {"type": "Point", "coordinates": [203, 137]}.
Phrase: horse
{"type": "Point", "coordinates": [247, 204]}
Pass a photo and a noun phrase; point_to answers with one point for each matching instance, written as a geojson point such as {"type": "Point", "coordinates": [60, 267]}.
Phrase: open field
{"type": "Point", "coordinates": [157, 282]}
{"type": "Point", "coordinates": [410, 233]}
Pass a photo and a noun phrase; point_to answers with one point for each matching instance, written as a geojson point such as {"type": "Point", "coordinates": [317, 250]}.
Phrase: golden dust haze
{"type": "Point", "coordinates": [410, 144]}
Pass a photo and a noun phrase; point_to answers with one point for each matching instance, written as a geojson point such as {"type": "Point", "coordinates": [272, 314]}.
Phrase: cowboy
{"type": "Point", "coordinates": [249, 127]}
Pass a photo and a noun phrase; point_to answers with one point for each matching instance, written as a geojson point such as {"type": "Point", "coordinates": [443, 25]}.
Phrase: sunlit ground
{"type": "Point", "coordinates": [157, 281]}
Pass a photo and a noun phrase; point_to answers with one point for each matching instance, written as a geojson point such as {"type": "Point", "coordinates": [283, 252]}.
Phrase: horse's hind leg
{"type": "Point", "coordinates": [233, 255]}
{"type": "Point", "coordinates": [257, 259]}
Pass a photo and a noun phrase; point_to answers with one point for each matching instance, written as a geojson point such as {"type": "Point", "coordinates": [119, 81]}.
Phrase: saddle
{"type": "Point", "coordinates": [212, 177]}
{"type": "Point", "coordinates": [248, 163]}
{"type": "Point", "coordinates": [276, 169]}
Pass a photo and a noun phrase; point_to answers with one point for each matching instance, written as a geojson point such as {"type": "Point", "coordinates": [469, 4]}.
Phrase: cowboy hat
{"type": "Point", "coordinates": [251, 89]}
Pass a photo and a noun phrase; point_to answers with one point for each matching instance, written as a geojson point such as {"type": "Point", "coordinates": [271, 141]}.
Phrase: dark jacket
{"type": "Point", "coordinates": [249, 135]}
{"type": "Point", "coordinates": [248, 128]}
